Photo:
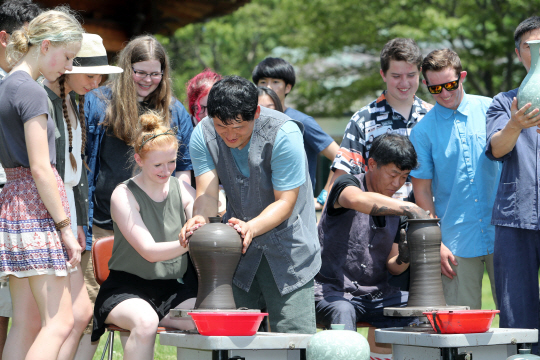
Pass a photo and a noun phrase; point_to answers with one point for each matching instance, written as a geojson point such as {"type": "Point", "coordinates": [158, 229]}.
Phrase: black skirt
{"type": "Point", "coordinates": [162, 295]}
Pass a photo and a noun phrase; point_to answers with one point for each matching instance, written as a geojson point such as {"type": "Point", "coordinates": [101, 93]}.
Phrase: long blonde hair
{"type": "Point", "coordinates": [59, 26]}
{"type": "Point", "coordinates": [122, 115]}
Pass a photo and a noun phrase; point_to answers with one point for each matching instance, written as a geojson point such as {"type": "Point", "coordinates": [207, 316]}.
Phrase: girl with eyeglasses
{"type": "Point", "coordinates": [112, 114]}
{"type": "Point", "coordinates": [112, 118]}
{"type": "Point", "coordinates": [149, 272]}
{"type": "Point", "coordinates": [39, 249]}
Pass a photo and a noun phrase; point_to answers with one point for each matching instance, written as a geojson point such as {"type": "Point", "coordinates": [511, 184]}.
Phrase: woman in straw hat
{"type": "Point", "coordinates": [112, 114]}
{"type": "Point", "coordinates": [39, 248]}
{"type": "Point", "coordinates": [88, 67]}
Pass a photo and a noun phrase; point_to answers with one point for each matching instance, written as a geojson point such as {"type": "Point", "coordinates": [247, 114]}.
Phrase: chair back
{"type": "Point", "coordinates": [101, 253]}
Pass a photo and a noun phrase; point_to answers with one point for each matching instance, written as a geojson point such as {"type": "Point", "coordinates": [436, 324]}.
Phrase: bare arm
{"type": "Point", "coordinates": [184, 176]}
{"type": "Point", "coordinates": [391, 263]}
{"type": "Point", "coordinates": [273, 215]}
{"type": "Point", "coordinates": [205, 205]}
{"type": "Point", "coordinates": [423, 195]}
{"type": "Point", "coordinates": [330, 151]}
{"type": "Point", "coordinates": [125, 212]}
{"type": "Point", "coordinates": [35, 133]}
{"type": "Point", "coordinates": [376, 204]}
{"type": "Point", "coordinates": [188, 198]}
{"type": "Point", "coordinates": [504, 140]}
{"type": "Point", "coordinates": [329, 184]}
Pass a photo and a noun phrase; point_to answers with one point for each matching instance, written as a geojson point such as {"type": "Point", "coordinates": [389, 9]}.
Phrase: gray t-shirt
{"type": "Point", "coordinates": [22, 99]}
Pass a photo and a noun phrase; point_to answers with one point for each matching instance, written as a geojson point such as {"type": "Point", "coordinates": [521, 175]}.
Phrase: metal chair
{"type": "Point", "coordinates": [101, 253]}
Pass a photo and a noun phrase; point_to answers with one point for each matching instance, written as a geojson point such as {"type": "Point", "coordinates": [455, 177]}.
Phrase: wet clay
{"type": "Point", "coordinates": [424, 238]}
{"type": "Point", "coordinates": [215, 249]}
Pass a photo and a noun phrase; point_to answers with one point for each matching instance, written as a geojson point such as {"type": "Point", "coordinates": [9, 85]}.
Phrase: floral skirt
{"type": "Point", "coordinates": [29, 242]}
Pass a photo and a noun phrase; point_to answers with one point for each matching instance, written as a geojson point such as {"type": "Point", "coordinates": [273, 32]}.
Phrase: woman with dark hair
{"type": "Point", "coordinates": [269, 99]}
{"type": "Point", "coordinates": [197, 93]}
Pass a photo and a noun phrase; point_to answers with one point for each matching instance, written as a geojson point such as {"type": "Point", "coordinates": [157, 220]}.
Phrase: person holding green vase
{"type": "Point", "coordinates": [512, 138]}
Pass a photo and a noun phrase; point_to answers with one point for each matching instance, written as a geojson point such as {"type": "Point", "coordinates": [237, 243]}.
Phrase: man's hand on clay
{"type": "Point", "coordinates": [244, 229]}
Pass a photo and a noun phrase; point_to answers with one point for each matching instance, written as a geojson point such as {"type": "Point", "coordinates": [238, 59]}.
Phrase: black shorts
{"type": "Point", "coordinates": [162, 295]}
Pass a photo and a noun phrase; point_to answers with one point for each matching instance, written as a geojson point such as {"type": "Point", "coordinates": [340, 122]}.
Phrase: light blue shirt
{"type": "Point", "coordinates": [451, 151]}
{"type": "Point", "coordinates": [288, 153]}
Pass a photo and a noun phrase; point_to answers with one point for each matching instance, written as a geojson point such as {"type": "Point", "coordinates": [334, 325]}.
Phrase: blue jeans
{"type": "Point", "coordinates": [517, 261]}
{"type": "Point", "coordinates": [366, 308]}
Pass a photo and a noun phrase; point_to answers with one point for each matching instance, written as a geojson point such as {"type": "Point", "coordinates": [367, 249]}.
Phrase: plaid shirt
{"type": "Point", "coordinates": [372, 120]}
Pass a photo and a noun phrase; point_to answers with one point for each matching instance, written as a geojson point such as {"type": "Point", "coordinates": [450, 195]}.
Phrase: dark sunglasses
{"type": "Point", "coordinates": [449, 86]}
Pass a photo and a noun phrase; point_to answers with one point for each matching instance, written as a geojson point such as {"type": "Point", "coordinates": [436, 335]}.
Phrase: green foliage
{"type": "Point", "coordinates": [335, 44]}
{"type": "Point", "coordinates": [229, 45]}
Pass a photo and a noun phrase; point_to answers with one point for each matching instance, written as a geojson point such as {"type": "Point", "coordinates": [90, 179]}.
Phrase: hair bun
{"type": "Point", "coordinates": [17, 46]}
{"type": "Point", "coordinates": [150, 121]}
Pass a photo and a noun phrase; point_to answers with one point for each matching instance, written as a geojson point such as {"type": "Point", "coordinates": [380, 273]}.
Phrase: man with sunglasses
{"type": "Point", "coordinates": [450, 143]}
{"type": "Point", "coordinates": [512, 131]}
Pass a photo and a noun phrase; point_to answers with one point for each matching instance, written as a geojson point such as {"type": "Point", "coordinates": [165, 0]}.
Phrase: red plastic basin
{"type": "Point", "coordinates": [227, 323]}
{"type": "Point", "coordinates": [461, 321]}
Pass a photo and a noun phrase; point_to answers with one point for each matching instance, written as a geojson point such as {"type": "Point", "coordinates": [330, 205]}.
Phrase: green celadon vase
{"type": "Point", "coordinates": [529, 90]}
{"type": "Point", "coordinates": [524, 354]}
{"type": "Point", "coordinates": [337, 345]}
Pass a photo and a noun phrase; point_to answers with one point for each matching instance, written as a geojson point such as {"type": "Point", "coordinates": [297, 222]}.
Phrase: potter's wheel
{"type": "Point", "coordinates": [418, 312]}
{"type": "Point", "coordinates": [426, 290]}
{"type": "Point", "coordinates": [183, 313]}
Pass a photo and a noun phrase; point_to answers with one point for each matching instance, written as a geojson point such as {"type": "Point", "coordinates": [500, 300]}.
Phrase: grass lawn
{"type": "Point", "coordinates": [169, 352]}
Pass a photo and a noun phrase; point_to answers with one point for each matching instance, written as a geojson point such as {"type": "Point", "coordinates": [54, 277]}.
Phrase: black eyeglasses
{"type": "Point", "coordinates": [449, 86]}
{"type": "Point", "coordinates": [143, 74]}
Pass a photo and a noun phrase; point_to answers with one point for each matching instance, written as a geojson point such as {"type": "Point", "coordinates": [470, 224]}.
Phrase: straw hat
{"type": "Point", "coordinates": [92, 58]}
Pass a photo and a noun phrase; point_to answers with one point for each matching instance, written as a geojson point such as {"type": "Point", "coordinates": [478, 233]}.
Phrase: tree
{"type": "Point", "coordinates": [231, 44]}
{"type": "Point", "coordinates": [335, 44]}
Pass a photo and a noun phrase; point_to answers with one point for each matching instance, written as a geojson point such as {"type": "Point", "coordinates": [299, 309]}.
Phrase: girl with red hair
{"type": "Point", "coordinates": [197, 93]}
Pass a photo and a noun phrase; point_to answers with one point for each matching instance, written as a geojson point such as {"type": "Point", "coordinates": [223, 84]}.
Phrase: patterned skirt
{"type": "Point", "coordinates": [29, 242]}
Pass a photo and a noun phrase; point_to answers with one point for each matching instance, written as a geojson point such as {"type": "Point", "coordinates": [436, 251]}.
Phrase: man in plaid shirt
{"type": "Point", "coordinates": [396, 110]}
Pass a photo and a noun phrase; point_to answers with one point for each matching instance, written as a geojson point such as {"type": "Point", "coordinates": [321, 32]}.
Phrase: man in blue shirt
{"type": "Point", "coordinates": [278, 75]}
{"type": "Point", "coordinates": [450, 142]}
{"type": "Point", "coordinates": [513, 140]}
{"type": "Point", "coordinates": [258, 156]}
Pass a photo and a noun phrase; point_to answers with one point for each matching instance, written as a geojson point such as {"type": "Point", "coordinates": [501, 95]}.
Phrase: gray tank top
{"type": "Point", "coordinates": [164, 221]}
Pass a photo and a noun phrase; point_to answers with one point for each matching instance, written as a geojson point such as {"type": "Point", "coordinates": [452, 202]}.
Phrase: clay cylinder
{"type": "Point", "coordinates": [215, 250]}
{"type": "Point", "coordinates": [424, 238]}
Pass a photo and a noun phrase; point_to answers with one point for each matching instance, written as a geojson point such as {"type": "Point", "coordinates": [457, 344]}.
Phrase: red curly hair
{"type": "Point", "coordinates": [198, 87]}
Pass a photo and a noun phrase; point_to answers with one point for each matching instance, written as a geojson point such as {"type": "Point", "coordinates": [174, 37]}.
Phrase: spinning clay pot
{"type": "Point", "coordinates": [424, 238]}
{"type": "Point", "coordinates": [215, 249]}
